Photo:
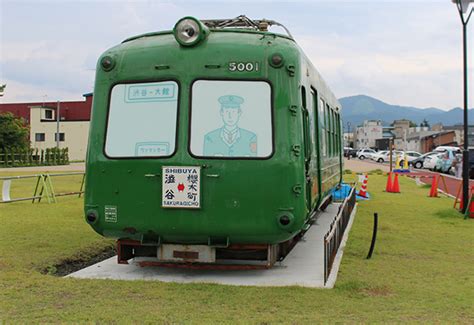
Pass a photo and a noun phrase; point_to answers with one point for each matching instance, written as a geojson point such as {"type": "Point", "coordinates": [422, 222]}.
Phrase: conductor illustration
{"type": "Point", "coordinates": [230, 140]}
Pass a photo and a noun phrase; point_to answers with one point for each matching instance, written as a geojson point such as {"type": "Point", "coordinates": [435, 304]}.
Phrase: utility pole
{"type": "Point", "coordinates": [463, 6]}
{"type": "Point", "coordinates": [348, 133]}
{"type": "Point", "coordinates": [58, 109]}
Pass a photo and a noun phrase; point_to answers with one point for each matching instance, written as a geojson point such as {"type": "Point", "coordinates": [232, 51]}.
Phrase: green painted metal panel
{"type": "Point", "coordinates": [240, 198]}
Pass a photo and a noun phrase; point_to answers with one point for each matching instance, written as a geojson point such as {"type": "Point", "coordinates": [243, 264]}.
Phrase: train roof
{"type": "Point", "coordinates": [243, 25]}
{"type": "Point", "coordinates": [239, 24]}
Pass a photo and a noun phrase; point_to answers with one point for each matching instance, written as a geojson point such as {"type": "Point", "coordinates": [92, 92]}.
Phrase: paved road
{"type": "Point", "coordinates": [366, 165]}
{"type": "Point", "coordinates": [63, 168]}
{"type": "Point", "coordinates": [446, 183]}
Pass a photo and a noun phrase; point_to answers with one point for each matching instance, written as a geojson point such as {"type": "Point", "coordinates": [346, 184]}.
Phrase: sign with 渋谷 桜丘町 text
{"type": "Point", "coordinates": [181, 187]}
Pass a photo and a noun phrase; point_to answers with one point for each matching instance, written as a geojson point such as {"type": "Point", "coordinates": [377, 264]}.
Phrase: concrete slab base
{"type": "Point", "coordinates": [303, 266]}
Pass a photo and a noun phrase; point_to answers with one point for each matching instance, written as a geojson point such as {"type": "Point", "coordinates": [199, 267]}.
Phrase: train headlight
{"type": "Point", "coordinates": [276, 60]}
{"type": "Point", "coordinates": [107, 63]}
{"type": "Point", "coordinates": [189, 31]}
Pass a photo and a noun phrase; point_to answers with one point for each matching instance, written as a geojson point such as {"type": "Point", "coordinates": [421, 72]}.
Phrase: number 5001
{"type": "Point", "coordinates": [243, 66]}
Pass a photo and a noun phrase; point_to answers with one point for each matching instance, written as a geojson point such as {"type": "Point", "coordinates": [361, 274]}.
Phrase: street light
{"type": "Point", "coordinates": [348, 133]}
{"type": "Point", "coordinates": [465, 14]}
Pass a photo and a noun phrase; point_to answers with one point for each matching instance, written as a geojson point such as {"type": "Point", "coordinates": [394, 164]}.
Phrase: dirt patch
{"type": "Point", "coordinates": [383, 291]}
{"type": "Point", "coordinates": [72, 265]}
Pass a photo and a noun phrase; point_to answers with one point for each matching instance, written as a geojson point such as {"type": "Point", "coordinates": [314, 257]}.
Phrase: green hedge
{"type": "Point", "coordinates": [15, 157]}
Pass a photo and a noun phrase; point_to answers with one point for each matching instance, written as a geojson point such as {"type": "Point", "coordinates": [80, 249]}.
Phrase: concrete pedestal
{"type": "Point", "coordinates": [303, 266]}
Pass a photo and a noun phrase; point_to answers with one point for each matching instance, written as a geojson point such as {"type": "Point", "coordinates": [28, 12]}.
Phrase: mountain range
{"type": "Point", "coordinates": [356, 109]}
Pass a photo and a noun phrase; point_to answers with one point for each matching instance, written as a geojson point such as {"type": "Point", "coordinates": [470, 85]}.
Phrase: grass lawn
{"type": "Point", "coordinates": [422, 271]}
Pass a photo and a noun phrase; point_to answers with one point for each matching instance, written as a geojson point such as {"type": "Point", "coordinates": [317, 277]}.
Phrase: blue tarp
{"type": "Point", "coordinates": [341, 192]}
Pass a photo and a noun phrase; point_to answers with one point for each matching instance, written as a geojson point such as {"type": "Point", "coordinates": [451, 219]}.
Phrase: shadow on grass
{"type": "Point", "coordinates": [449, 214]}
{"type": "Point", "coordinates": [74, 264]}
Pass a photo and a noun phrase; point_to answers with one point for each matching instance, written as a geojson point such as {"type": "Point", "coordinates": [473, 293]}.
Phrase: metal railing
{"type": "Point", "coordinates": [333, 238]}
{"type": "Point", "coordinates": [43, 188]}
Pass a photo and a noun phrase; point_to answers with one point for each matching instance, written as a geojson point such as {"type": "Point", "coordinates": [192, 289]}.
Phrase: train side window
{"type": "Point", "coordinates": [313, 118]}
{"type": "Point", "coordinates": [331, 140]}
{"type": "Point", "coordinates": [332, 132]}
{"type": "Point", "coordinates": [322, 125]}
{"type": "Point", "coordinates": [336, 146]}
{"type": "Point", "coordinates": [328, 130]}
{"type": "Point", "coordinates": [336, 142]}
{"type": "Point", "coordinates": [338, 133]}
{"type": "Point", "coordinates": [306, 125]}
{"type": "Point", "coordinates": [303, 96]}
{"type": "Point", "coordinates": [142, 120]}
{"type": "Point", "coordinates": [309, 139]}
{"type": "Point", "coordinates": [321, 112]}
{"type": "Point", "coordinates": [231, 119]}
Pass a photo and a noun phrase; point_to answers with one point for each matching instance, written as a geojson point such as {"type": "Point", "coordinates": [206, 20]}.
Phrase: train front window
{"type": "Point", "coordinates": [231, 119]}
{"type": "Point", "coordinates": [142, 120]}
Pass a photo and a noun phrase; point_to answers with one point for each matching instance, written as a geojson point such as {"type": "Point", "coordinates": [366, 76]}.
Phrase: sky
{"type": "Point", "coordinates": [401, 52]}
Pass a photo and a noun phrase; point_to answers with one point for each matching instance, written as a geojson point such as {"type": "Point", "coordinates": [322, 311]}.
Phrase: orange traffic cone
{"type": "Point", "coordinates": [395, 185]}
{"type": "Point", "coordinates": [434, 187]}
{"type": "Point", "coordinates": [388, 187]}
{"type": "Point", "coordinates": [363, 188]}
{"type": "Point", "coordinates": [459, 198]}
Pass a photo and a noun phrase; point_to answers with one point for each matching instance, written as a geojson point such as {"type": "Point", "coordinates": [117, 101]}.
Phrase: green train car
{"type": "Point", "coordinates": [215, 141]}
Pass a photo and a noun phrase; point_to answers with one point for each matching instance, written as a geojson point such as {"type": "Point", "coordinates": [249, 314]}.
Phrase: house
{"type": "Point", "coordinates": [73, 118]}
{"type": "Point", "coordinates": [366, 134]}
{"type": "Point", "coordinates": [443, 138]}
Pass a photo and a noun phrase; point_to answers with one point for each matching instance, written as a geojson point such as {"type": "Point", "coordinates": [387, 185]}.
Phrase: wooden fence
{"type": "Point", "coordinates": [33, 157]}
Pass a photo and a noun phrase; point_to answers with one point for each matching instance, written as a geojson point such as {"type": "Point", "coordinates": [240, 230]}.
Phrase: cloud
{"type": "Point", "coordinates": [58, 56]}
{"type": "Point", "coordinates": [24, 92]}
{"type": "Point", "coordinates": [412, 58]}
{"type": "Point", "coordinates": [57, 65]}
{"type": "Point", "coordinates": [403, 52]}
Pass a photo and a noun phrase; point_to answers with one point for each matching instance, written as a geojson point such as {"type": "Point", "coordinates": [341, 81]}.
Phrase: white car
{"type": "Point", "coordinates": [383, 156]}
{"type": "Point", "coordinates": [379, 156]}
{"type": "Point", "coordinates": [446, 148]}
{"type": "Point", "coordinates": [419, 162]}
{"type": "Point", "coordinates": [431, 161]}
{"type": "Point", "coordinates": [411, 155]}
{"type": "Point", "coordinates": [365, 153]}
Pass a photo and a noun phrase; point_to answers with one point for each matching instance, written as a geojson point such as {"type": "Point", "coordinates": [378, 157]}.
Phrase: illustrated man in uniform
{"type": "Point", "coordinates": [230, 140]}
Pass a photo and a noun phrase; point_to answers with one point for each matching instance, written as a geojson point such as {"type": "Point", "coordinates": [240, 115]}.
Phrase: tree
{"type": "Point", "coordinates": [425, 123]}
{"type": "Point", "coordinates": [413, 124]}
{"type": "Point", "coordinates": [14, 133]}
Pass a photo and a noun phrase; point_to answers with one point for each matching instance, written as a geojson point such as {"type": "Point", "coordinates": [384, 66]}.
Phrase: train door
{"type": "Point", "coordinates": [307, 147]}
{"type": "Point", "coordinates": [313, 120]}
